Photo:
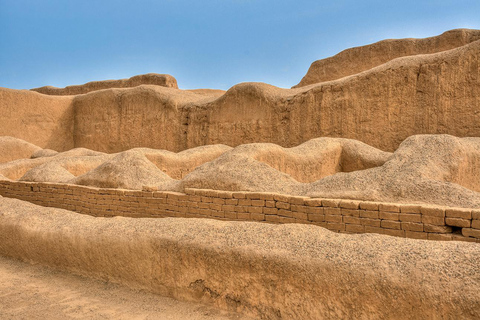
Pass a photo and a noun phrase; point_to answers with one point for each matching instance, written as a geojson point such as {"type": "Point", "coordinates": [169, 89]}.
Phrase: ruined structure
{"type": "Point", "coordinates": [381, 139]}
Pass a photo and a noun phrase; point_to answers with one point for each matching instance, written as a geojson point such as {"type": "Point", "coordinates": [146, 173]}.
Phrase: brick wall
{"type": "Point", "coordinates": [348, 216]}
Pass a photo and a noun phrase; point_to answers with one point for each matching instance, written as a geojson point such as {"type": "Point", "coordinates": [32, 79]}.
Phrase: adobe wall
{"type": "Point", "coordinates": [45, 121]}
{"type": "Point", "coordinates": [349, 216]}
{"type": "Point", "coordinates": [427, 94]}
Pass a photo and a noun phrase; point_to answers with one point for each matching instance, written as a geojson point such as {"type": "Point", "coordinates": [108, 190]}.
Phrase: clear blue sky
{"type": "Point", "coordinates": [203, 44]}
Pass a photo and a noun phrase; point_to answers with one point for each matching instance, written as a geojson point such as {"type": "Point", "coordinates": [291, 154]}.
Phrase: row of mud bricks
{"type": "Point", "coordinates": [348, 216]}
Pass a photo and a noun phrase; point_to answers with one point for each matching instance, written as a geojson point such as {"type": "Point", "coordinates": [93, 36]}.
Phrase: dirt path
{"type": "Point", "coordinates": [36, 292]}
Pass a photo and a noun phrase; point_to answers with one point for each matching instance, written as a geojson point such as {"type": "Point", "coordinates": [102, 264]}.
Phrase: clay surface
{"type": "Point", "coordinates": [355, 60]}
{"type": "Point", "coordinates": [289, 271]}
{"type": "Point", "coordinates": [382, 105]}
{"type": "Point", "coordinates": [163, 80]}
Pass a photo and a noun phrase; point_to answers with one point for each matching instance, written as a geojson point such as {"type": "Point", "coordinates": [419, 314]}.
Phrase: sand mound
{"type": "Point", "coordinates": [437, 169]}
{"type": "Point", "coordinates": [269, 167]}
{"type": "Point", "coordinates": [177, 165]}
{"type": "Point", "coordinates": [127, 170]}
{"type": "Point", "coordinates": [358, 59]}
{"type": "Point", "coordinates": [48, 172]}
{"type": "Point", "coordinates": [44, 153]}
{"type": "Point", "coordinates": [76, 161]}
{"type": "Point", "coordinates": [13, 148]}
{"type": "Point", "coordinates": [433, 169]}
{"type": "Point", "coordinates": [163, 80]}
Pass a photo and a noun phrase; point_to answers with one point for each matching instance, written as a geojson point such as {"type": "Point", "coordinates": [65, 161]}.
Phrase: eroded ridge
{"type": "Point", "coordinates": [163, 80]}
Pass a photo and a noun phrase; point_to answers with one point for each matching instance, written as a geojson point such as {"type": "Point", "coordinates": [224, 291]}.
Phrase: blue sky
{"type": "Point", "coordinates": [203, 44]}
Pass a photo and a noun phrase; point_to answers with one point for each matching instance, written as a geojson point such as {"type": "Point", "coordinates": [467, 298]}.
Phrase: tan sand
{"type": "Point", "coordinates": [36, 292]}
{"type": "Point", "coordinates": [13, 148]}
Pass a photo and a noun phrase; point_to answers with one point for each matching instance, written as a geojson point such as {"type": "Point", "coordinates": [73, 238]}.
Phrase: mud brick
{"type": "Point", "coordinates": [410, 208]}
{"type": "Point", "coordinates": [266, 196]}
{"type": "Point", "coordinates": [356, 228]}
{"type": "Point", "coordinates": [437, 229]}
{"type": "Point", "coordinates": [352, 220]}
{"type": "Point", "coordinates": [369, 214]}
{"type": "Point", "coordinates": [469, 232]}
{"type": "Point", "coordinates": [438, 221]}
{"type": "Point", "coordinates": [239, 195]}
{"type": "Point", "coordinates": [432, 211]}
{"type": "Point", "coordinates": [458, 213]}
{"type": "Point", "coordinates": [286, 220]}
{"type": "Point", "coordinates": [476, 224]}
{"type": "Point", "coordinates": [370, 222]}
{"type": "Point", "coordinates": [412, 226]}
{"type": "Point", "coordinates": [371, 229]}
{"type": "Point", "coordinates": [390, 207]}
{"type": "Point", "coordinates": [300, 216]}
{"type": "Point", "coordinates": [333, 203]}
{"type": "Point", "coordinates": [284, 213]}
{"type": "Point", "coordinates": [281, 198]}
{"type": "Point", "coordinates": [224, 194]}
{"type": "Point", "coordinates": [368, 205]}
{"type": "Point", "coordinates": [349, 204]}
{"type": "Point", "coordinates": [315, 202]}
{"type": "Point", "coordinates": [459, 237]}
{"type": "Point", "coordinates": [218, 201]}
{"type": "Point", "coordinates": [395, 216]}
{"type": "Point", "coordinates": [389, 224]}
{"type": "Point", "coordinates": [350, 212]}
{"type": "Point", "coordinates": [244, 202]}
{"type": "Point", "coordinates": [216, 207]}
{"type": "Point", "coordinates": [230, 215]}
{"type": "Point", "coordinates": [270, 203]}
{"type": "Point", "coordinates": [316, 217]}
{"type": "Point", "coordinates": [394, 232]}
{"type": "Point", "coordinates": [207, 199]}
{"type": "Point", "coordinates": [333, 218]}
{"type": "Point", "coordinates": [415, 235]}
{"type": "Point", "coordinates": [300, 201]}
{"type": "Point", "coordinates": [476, 214]}
{"type": "Point", "coordinates": [270, 210]}
{"type": "Point", "coordinates": [298, 208]}
{"type": "Point", "coordinates": [255, 209]}
{"type": "Point", "coordinates": [272, 218]}
{"type": "Point", "coordinates": [315, 210]}
{"type": "Point", "coordinates": [241, 209]}
{"type": "Point", "coordinates": [410, 217]}
{"type": "Point", "coordinates": [232, 202]}
{"type": "Point", "coordinates": [332, 211]}
{"type": "Point", "coordinates": [258, 203]}
{"type": "Point", "coordinates": [457, 222]}
{"type": "Point", "coordinates": [440, 236]}
{"type": "Point", "coordinates": [243, 215]}
{"type": "Point", "coordinates": [282, 205]}
{"type": "Point", "coordinates": [227, 207]}
{"type": "Point", "coordinates": [336, 226]}
{"type": "Point", "coordinates": [257, 216]}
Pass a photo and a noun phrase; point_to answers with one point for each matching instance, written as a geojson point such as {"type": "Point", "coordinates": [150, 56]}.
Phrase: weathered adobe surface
{"type": "Point", "coordinates": [163, 80]}
{"type": "Point", "coordinates": [358, 59]}
{"type": "Point", "coordinates": [431, 93]}
{"type": "Point", "coordinates": [437, 93]}
{"type": "Point", "coordinates": [269, 271]}
{"type": "Point", "coordinates": [45, 121]}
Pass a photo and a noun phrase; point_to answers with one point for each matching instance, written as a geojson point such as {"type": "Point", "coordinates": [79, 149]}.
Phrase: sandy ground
{"type": "Point", "coordinates": [37, 292]}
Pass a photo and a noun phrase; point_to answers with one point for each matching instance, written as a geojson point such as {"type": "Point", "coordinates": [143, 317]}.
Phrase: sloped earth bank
{"type": "Point", "coordinates": [36, 292]}
{"type": "Point", "coordinates": [428, 169]}
{"type": "Point", "coordinates": [267, 271]}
